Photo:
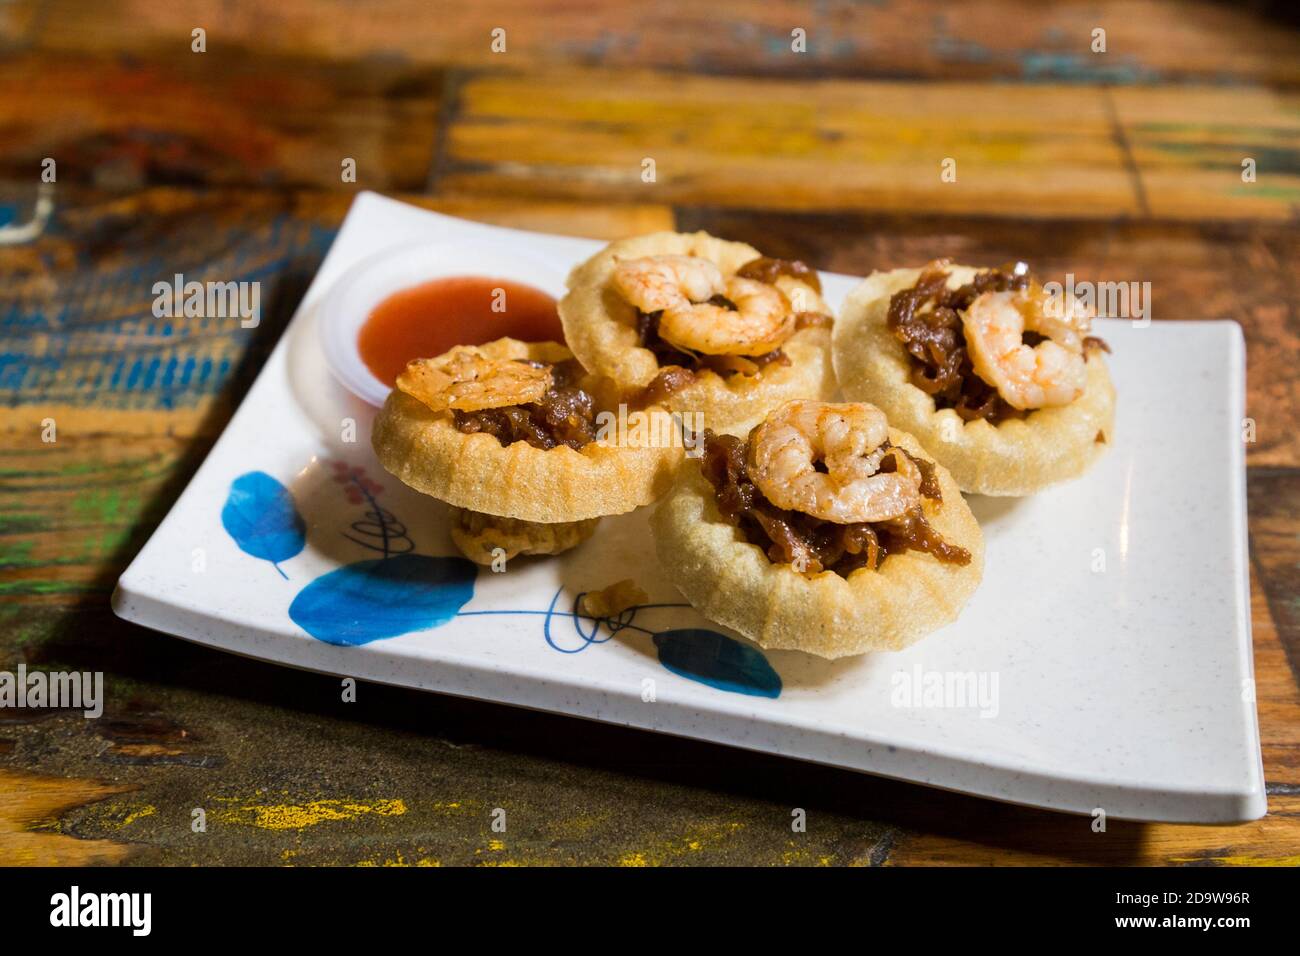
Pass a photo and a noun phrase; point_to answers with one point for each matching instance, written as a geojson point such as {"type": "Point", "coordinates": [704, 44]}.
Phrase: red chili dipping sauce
{"type": "Point", "coordinates": [428, 319]}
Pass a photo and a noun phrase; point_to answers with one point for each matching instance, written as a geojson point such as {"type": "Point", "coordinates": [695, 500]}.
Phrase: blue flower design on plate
{"type": "Point", "coordinates": [384, 597]}
{"type": "Point", "coordinates": [261, 516]}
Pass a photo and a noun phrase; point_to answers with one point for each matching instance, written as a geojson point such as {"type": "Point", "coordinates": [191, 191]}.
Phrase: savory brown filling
{"type": "Point", "coordinates": [812, 544]}
{"type": "Point", "coordinates": [671, 378]}
{"type": "Point", "coordinates": [566, 415]}
{"type": "Point", "coordinates": [926, 319]}
{"type": "Point", "coordinates": [679, 366]}
{"type": "Point", "coordinates": [766, 269]}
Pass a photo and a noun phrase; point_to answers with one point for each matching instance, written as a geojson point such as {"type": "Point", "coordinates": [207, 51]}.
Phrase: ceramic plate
{"type": "Point", "coordinates": [1105, 661]}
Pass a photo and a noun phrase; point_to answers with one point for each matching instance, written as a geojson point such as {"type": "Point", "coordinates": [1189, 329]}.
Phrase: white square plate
{"type": "Point", "coordinates": [1108, 647]}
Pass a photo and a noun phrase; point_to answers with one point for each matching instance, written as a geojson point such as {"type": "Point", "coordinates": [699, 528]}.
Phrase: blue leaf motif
{"type": "Point", "coordinates": [369, 600]}
{"type": "Point", "coordinates": [260, 515]}
{"type": "Point", "coordinates": [717, 660]}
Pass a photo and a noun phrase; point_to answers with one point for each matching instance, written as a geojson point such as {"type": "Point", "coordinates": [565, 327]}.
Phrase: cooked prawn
{"type": "Point", "coordinates": [467, 380]}
{"type": "Point", "coordinates": [761, 320]}
{"type": "Point", "coordinates": [681, 287]}
{"type": "Point", "coordinates": [849, 440]}
{"type": "Point", "coordinates": [1053, 372]}
{"type": "Point", "coordinates": [656, 283]}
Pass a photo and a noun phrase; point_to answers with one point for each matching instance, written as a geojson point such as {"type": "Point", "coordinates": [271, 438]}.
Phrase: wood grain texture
{"type": "Point", "coordinates": [217, 118]}
{"type": "Point", "coordinates": [1187, 146]}
{"type": "Point", "coordinates": [771, 144]}
{"type": "Point", "coordinates": [1019, 151]}
{"type": "Point", "coordinates": [1150, 41]}
{"type": "Point", "coordinates": [30, 808]}
{"type": "Point", "coordinates": [1275, 547]}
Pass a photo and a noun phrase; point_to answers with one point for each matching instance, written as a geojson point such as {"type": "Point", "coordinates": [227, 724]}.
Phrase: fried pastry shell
{"type": "Point", "coordinates": [426, 451]}
{"type": "Point", "coordinates": [1015, 457]}
{"type": "Point", "coordinates": [600, 327]}
{"type": "Point", "coordinates": [485, 538]}
{"type": "Point", "coordinates": [731, 581]}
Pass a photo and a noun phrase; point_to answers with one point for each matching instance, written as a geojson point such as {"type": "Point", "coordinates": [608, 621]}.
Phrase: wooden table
{"type": "Point", "coordinates": [225, 164]}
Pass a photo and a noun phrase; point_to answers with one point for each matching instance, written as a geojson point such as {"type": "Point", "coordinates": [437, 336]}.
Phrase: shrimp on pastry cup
{"type": "Point", "coordinates": [1000, 381]}
{"type": "Point", "coordinates": [514, 431]}
{"type": "Point", "coordinates": [699, 324]}
{"type": "Point", "coordinates": [824, 531]}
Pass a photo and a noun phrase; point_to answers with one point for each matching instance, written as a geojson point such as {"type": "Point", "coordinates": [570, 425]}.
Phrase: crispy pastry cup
{"type": "Point", "coordinates": [600, 327]}
{"type": "Point", "coordinates": [484, 538]}
{"type": "Point", "coordinates": [609, 476]}
{"type": "Point", "coordinates": [734, 583]}
{"type": "Point", "coordinates": [1016, 457]}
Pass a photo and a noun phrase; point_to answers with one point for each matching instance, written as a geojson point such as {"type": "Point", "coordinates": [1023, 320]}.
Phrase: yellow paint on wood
{"type": "Point", "coordinates": [698, 838]}
{"type": "Point", "coordinates": [1242, 860]}
{"type": "Point", "coordinates": [299, 816]}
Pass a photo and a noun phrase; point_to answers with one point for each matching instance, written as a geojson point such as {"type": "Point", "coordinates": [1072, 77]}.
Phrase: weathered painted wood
{"type": "Point", "coordinates": [1023, 152]}
{"type": "Point", "coordinates": [1275, 547]}
{"type": "Point", "coordinates": [30, 809]}
{"type": "Point", "coordinates": [1152, 41]}
{"type": "Point", "coordinates": [215, 119]}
